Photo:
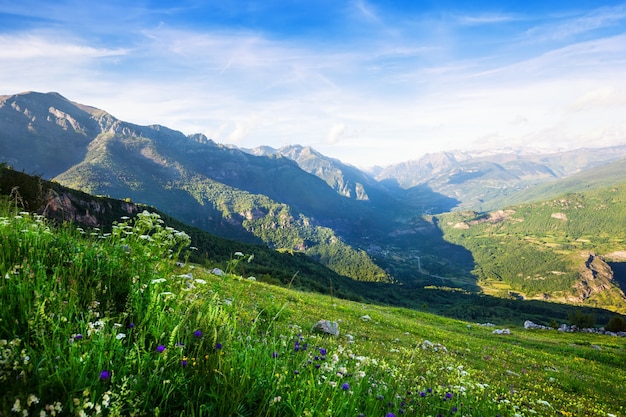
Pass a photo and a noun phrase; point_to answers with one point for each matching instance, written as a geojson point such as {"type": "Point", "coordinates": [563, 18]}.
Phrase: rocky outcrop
{"type": "Point", "coordinates": [595, 276]}
{"type": "Point", "coordinates": [68, 206]}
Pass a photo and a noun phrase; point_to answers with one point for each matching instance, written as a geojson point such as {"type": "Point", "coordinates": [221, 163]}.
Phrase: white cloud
{"type": "Point", "coordinates": [366, 101]}
{"type": "Point", "coordinates": [33, 46]}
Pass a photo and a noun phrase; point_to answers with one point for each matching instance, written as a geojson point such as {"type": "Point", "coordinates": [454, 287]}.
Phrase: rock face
{"type": "Point", "coordinates": [326, 327]}
{"type": "Point", "coordinates": [596, 277]}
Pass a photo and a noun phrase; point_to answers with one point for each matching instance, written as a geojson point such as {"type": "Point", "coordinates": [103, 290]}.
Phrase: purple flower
{"type": "Point", "coordinates": [345, 386]}
{"type": "Point", "coordinates": [78, 336]}
{"type": "Point", "coordinates": [218, 346]}
{"type": "Point", "coordinates": [131, 325]}
{"type": "Point", "coordinates": [105, 375]}
{"type": "Point", "coordinates": [454, 410]}
{"type": "Point", "coordinates": [160, 348]}
{"type": "Point", "coordinates": [296, 346]}
{"type": "Point", "coordinates": [296, 372]}
{"type": "Point", "coordinates": [448, 395]}
{"type": "Point", "coordinates": [390, 415]}
{"type": "Point", "coordinates": [323, 351]}
{"type": "Point", "coordinates": [274, 355]}
{"type": "Point", "coordinates": [183, 362]}
{"type": "Point", "coordinates": [422, 394]}
{"type": "Point", "coordinates": [197, 333]}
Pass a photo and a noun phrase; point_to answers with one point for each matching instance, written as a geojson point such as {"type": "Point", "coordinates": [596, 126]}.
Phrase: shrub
{"type": "Point", "coordinates": [581, 320]}
{"type": "Point", "coordinates": [616, 324]}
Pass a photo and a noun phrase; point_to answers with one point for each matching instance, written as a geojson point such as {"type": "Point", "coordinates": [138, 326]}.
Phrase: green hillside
{"type": "Point", "coordinates": [294, 269]}
{"type": "Point", "coordinates": [555, 249]}
{"type": "Point", "coordinates": [105, 323]}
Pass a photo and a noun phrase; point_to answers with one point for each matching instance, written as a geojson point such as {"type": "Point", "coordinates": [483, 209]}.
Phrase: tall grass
{"type": "Point", "coordinates": [108, 324]}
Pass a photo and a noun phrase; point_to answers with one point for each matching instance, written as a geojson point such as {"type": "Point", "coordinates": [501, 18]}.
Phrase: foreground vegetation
{"type": "Point", "coordinates": [99, 323]}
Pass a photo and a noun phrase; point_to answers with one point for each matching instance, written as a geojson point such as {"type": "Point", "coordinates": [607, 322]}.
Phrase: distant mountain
{"type": "Point", "coordinates": [485, 182]}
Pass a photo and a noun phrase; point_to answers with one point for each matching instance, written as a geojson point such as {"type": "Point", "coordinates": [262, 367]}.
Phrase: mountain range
{"type": "Point", "coordinates": [381, 224]}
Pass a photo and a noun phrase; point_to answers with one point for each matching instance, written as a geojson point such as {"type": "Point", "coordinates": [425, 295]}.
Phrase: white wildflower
{"type": "Point", "coordinates": [157, 280]}
{"type": "Point", "coordinates": [120, 336]}
{"type": "Point", "coordinates": [32, 399]}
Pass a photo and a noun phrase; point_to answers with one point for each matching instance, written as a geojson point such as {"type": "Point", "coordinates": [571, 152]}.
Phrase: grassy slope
{"type": "Point", "coordinates": [250, 358]}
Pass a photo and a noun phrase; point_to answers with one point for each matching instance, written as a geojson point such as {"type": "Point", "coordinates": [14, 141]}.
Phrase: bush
{"type": "Point", "coordinates": [616, 324]}
{"type": "Point", "coordinates": [581, 320]}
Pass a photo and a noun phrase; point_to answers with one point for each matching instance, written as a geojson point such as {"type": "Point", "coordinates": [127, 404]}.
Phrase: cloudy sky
{"type": "Point", "coordinates": [370, 82]}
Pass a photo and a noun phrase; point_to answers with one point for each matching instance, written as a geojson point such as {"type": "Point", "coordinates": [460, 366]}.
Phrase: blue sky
{"type": "Point", "coordinates": [367, 82]}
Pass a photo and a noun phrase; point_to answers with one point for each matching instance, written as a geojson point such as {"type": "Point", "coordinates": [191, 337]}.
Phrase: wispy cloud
{"type": "Point", "coordinates": [486, 19]}
{"type": "Point", "coordinates": [569, 26]}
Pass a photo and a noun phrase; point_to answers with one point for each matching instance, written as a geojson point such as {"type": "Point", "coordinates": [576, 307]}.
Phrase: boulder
{"type": "Point", "coordinates": [326, 327]}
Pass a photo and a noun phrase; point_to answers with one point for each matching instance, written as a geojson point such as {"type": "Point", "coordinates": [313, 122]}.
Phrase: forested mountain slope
{"type": "Point", "coordinates": [559, 249]}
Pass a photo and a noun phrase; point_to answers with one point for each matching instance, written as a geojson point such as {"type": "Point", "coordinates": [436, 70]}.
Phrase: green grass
{"type": "Point", "coordinates": [108, 324]}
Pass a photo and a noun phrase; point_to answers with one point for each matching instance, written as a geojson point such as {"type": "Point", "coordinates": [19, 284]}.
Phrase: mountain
{"type": "Point", "coordinates": [486, 182]}
{"type": "Point", "coordinates": [219, 189]}
{"type": "Point", "coordinates": [384, 226]}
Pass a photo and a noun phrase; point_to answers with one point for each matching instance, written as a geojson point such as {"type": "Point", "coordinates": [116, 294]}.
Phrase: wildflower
{"type": "Point", "coordinates": [32, 399]}
{"type": "Point", "coordinates": [274, 355]}
{"type": "Point", "coordinates": [17, 407]}
{"type": "Point", "coordinates": [345, 386]}
{"type": "Point", "coordinates": [323, 351]}
{"type": "Point", "coordinates": [160, 348]}
{"type": "Point", "coordinates": [218, 346]}
{"type": "Point", "coordinates": [120, 336]}
{"type": "Point", "coordinates": [448, 395]}
{"type": "Point", "coordinates": [238, 254]}
{"type": "Point", "coordinates": [105, 375]}
{"type": "Point", "coordinates": [296, 372]}
{"type": "Point", "coordinates": [390, 415]}
{"type": "Point", "coordinates": [197, 333]}
{"type": "Point", "coordinates": [78, 336]}
{"type": "Point", "coordinates": [183, 362]}
{"type": "Point", "coordinates": [131, 325]}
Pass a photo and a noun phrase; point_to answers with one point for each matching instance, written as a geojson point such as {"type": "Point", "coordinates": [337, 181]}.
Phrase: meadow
{"type": "Point", "coordinates": [120, 323]}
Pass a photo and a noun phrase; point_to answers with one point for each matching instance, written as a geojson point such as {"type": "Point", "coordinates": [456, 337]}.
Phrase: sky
{"type": "Point", "coordinates": [368, 82]}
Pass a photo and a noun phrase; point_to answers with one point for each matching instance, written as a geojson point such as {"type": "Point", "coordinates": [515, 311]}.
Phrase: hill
{"type": "Point", "coordinates": [291, 269]}
{"type": "Point", "coordinates": [109, 324]}
{"type": "Point", "coordinates": [560, 249]}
